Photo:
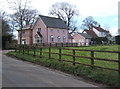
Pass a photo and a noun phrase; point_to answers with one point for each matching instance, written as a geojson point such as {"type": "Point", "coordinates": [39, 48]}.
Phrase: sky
{"type": "Point", "coordinates": [104, 12]}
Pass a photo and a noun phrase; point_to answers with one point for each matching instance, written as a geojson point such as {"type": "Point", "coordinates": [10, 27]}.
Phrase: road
{"type": "Point", "coordinates": [16, 73]}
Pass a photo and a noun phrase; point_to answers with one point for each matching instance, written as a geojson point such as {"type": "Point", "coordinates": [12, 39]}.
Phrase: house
{"type": "Point", "coordinates": [97, 32]}
{"type": "Point", "coordinates": [99, 35]}
{"type": "Point", "coordinates": [45, 30]}
{"type": "Point", "coordinates": [81, 39]}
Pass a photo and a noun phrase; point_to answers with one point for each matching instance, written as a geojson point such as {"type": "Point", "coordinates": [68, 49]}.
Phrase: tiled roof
{"type": "Point", "coordinates": [91, 33]}
{"type": "Point", "coordinates": [53, 22]}
{"type": "Point", "coordinates": [85, 35]}
{"type": "Point", "coordinates": [100, 29]}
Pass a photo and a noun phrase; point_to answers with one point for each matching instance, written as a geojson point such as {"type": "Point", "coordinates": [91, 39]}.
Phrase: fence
{"type": "Point", "coordinates": [39, 51]}
{"type": "Point", "coordinates": [57, 44]}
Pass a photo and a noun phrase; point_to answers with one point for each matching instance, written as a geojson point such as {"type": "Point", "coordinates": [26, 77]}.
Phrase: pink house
{"type": "Point", "coordinates": [81, 39]}
{"type": "Point", "coordinates": [45, 30]}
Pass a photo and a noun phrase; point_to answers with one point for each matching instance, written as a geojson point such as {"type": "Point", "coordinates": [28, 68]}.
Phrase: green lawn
{"type": "Point", "coordinates": [96, 74]}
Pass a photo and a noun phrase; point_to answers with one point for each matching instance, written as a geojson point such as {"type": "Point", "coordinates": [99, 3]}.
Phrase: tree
{"type": "Point", "coordinates": [6, 30]}
{"type": "Point", "coordinates": [22, 13]}
{"type": "Point", "coordinates": [88, 23]}
{"type": "Point", "coordinates": [64, 11]}
{"type": "Point", "coordinates": [27, 18]}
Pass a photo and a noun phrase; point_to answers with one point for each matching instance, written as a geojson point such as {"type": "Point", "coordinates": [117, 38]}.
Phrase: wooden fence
{"type": "Point", "coordinates": [34, 50]}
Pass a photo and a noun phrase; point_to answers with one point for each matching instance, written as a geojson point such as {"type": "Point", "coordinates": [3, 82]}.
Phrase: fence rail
{"type": "Point", "coordinates": [33, 50]}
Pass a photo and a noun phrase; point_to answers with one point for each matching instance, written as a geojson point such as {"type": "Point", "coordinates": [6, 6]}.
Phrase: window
{"type": "Point", "coordinates": [51, 30]}
{"type": "Point", "coordinates": [58, 31]}
{"type": "Point", "coordinates": [64, 39]}
{"type": "Point", "coordinates": [58, 38]}
{"type": "Point", "coordinates": [39, 29]}
{"type": "Point", "coordinates": [51, 38]}
{"type": "Point", "coordinates": [63, 31]}
{"type": "Point", "coordinates": [23, 41]}
{"type": "Point", "coordinates": [37, 39]}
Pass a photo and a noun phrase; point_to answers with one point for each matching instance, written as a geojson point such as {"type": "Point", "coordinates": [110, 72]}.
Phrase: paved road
{"type": "Point", "coordinates": [17, 73]}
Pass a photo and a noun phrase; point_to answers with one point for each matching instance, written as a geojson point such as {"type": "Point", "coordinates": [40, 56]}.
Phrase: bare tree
{"type": "Point", "coordinates": [19, 7]}
{"type": "Point", "coordinates": [64, 11]}
{"type": "Point", "coordinates": [88, 22]}
{"type": "Point", "coordinates": [28, 17]}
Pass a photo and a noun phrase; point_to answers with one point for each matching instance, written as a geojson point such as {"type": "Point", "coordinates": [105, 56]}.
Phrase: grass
{"type": "Point", "coordinates": [95, 74]}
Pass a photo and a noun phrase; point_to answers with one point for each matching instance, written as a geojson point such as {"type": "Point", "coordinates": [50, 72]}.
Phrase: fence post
{"type": "Point", "coordinates": [34, 51]}
{"type": "Point", "coordinates": [60, 54]}
{"type": "Point", "coordinates": [49, 53]}
{"type": "Point", "coordinates": [15, 48]}
{"type": "Point", "coordinates": [119, 69]}
{"type": "Point", "coordinates": [40, 52]}
{"type": "Point", "coordinates": [19, 48]}
{"type": "Point", "coordinates": [56, 44]}
{"type": "Point", "coordinates": [23, 49]}
{"type": "Point", "coordinates": [62, 44]}
{"type": "Point", "coordinates": [73, 57]}
{"type": "Point", "coordinates": [92, 59]}
{"type": "Point", "coordinates": [28, 50]}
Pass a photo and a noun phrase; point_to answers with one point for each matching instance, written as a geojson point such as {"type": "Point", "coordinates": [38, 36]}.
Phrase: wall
{"type": "Point", "coordinates": [40, 24]}
{"type": "Point", "coordinates": [55, 33]}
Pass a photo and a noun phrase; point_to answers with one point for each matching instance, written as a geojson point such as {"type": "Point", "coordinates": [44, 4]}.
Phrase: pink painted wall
{"type": "Point", "coordinates": [27, 36]}
{"type": "Point", "coordinates": [77, 38]}
{"type": "Point", "coordinates": [62, 33]}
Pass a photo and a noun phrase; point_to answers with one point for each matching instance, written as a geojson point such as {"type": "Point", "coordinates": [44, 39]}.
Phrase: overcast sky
{"type": "Point", "coordinates": [103, 11]}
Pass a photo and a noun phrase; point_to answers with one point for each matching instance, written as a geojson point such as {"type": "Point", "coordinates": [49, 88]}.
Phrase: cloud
{"type": "Point", "coordinates": [115, 19]}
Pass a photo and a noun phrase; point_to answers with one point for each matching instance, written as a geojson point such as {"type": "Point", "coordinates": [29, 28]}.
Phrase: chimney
{"type": "Point", "coordinates": [91, 28]}
{"type": "Point", "coordinates": [99, 26]}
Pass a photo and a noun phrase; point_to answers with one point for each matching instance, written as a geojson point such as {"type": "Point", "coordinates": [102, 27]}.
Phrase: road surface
{"type": "Point", "coordinates": [16, 73]}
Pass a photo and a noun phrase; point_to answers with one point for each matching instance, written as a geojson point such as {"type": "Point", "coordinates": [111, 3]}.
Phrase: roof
{"type": "Point", "coordinates": [53, 22]}
{"type": "Point", "coordinates": [91, 33]}
{"type": "Point", "coordinates": [85, 35]}
{"type": "Point", "coordinates": [28, 27]}
{"type": "Point", "coordinates": [100, 29]}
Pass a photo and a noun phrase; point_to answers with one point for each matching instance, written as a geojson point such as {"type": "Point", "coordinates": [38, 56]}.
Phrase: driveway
{"type": "Point", "coordinates": [16, 73]}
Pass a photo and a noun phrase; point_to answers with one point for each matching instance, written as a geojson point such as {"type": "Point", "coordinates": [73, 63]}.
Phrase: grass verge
{"type": "Point", "coordinates": [95, 74]}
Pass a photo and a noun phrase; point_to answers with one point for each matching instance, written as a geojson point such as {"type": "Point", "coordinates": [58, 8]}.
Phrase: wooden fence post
{"type": "Point", "coordinates": [56, 44]}
{"type": "Point", "coordinates": [19, 48]}
{"type": "Point", "coordinates": [119, 69]}
{"type": "Point", "coordinates": [62, 44]}
{"type": "Point", "coordinates": [34, 51]}
{"type": "Point", "coordinates": [28, 50]}
{"type": "Point", "coordinates": [92, 59]}
{"type": "Point", "coordinates": [73, 57]}
{"type": "Point", "coordinates": [40, 52]}
{"type": "Point", "coordinates": [23, 49]}
{"type": "Point", "coordinates": [49, 52]}
{"type": "Point", "coordinates": [60, 54]}
{"type": "Point", "coordinates": [15, 48]}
